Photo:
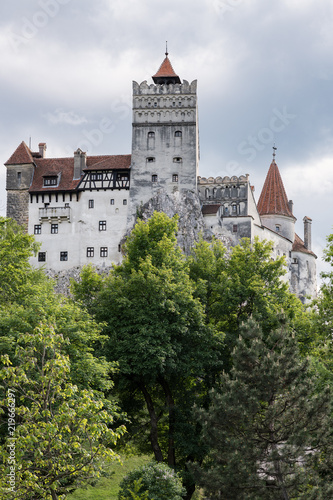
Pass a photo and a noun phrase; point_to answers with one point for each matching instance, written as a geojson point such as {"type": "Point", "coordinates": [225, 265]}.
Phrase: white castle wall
{"type": "Point", "coordinates": [78, 228]}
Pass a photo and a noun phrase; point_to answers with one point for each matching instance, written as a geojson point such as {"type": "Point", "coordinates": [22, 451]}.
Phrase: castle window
{"type": "Point", "coordinates": [63, 256]}
{"type": "Point", "coordinates": [150, 159]}
{"type": "Point", "coordinates": [91, 204]}
{"type": "Point", "coordinates": [155, 104]}
{"type": "Point", "coordinates": [177, 159]}
{"type": "Point", "coordinates": [19, 178]}
{"type": "Point", "coordinates": [277, 228]}
{"type": "Point", "coordinates": [90, 251]}
{"type": "Point", "coordinates": [178, 133]}
{"type": "Point", "coordinates": [51, 180]}
{"type": "Point", "coordinates": [124, 202]}
{"type": "Point", "coordinates": [175, 178]}
{"type": "Point", "coordinates": [104, 251]}
{"type": "Point", "coordinates": [234, 228]}
{"type": "Point", "coordinates": [295, 260]}
{"type": "Point", "coordinates": [102, 225]}
{"type": "Point", "coordinates": [37, 229]}
{"type": "Point", "coordinates": [154, 178]}
{"type": "Point", "coordinates": [226, 210]}
{"type": "Point", "coordinates": [234, 209]}
{"type": "Point", "coordinates": [96, 176]}
{"type": "Point", "coordinates": [112, 201]}
{"type": "Point", "coordinates": [41, 256]}
{"type": "Point", "coordinates": [54, 228]}
{"type": "Point", "coordinates": [151, 135]}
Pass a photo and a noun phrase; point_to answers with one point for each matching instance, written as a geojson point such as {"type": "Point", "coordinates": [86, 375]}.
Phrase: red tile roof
{"type": "Point", "coordinates": [108, 162]}
{"type": "Point", "coordinates": [21, 155]}
{"type": "Point", "coordinates": [273, 199]}
{"type": "Point", "coordinates": [299, 246]}
{"type": "Point", "coordinates": [65, 167]}
{"type": "Point", "coordinates": [166, 71]}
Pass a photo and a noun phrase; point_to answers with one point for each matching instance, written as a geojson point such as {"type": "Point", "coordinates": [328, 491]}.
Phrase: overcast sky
{"type": "Point", "coordinates": [264, 71]}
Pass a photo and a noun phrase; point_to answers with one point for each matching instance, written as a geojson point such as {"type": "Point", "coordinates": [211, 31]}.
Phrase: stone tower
{"type": "Point", "coordinates": [20, 169]}
{"type": "Point", "coordinates": [165, 139]}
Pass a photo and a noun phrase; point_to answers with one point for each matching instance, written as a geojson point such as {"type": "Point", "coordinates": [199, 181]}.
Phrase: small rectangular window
{"type": "Point", "coordinates": [234, 228]}
{"type": "Point", "coordinates": [104, 251]}
{"type": "Point", "coordinates": [96, 176]}
{"type": "Point", "coordinates": [41, 256]}
{"type": "Point", "coordinates": [91, 204]}
{"type": "Point", "coordinates": [175, 178]}
{"type": "Point", "coordinates": [63, 256]}
{"type": "Point", "coordinates": [102, 225]}
{"type": "Point", "coordinates": [51, 180]}
{"type": "Point", "coordinates": [112, 201]}
{"type": "Point", "coordinates": [124, 202]}
{"type": "Point", "coordinates": [90, 251]}
{"type": "Point", "coordinates": [37, 229]}
{"type": "Point", "coordinates": [150, 159]}
{"type": "Point", "coordinates": [54, 228]}
{"type": "Point", "coordinates": [154, 178]}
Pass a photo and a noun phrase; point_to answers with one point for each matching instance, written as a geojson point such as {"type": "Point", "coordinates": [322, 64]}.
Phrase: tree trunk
{"type": "Point", "coordinates": [171, 408]}
{"type": "Point", "coordinates": [153, 424]}
{"type": "Point", "coordinates": [54, 495]}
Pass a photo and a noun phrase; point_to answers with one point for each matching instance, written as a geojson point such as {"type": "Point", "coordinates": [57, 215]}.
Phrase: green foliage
{"type": "Point", "coordinates": [16, 274]}
{"type": "Point", "coordinates": [155, 481]}
{"type": "Point", "coordinates": [136, 493]}
{"type": "Point", "coordinates": [107, 486]}
{"type": "Point", "coordinates": [61, 432]}
{"type": "Point", "coordinates": [246, 283]}
{"type": "Point", "coordinates": [267, 429]}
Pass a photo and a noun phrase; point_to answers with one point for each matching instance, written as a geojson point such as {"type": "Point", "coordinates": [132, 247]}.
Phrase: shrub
{"type": "Point", "coordinates": [157, 479]}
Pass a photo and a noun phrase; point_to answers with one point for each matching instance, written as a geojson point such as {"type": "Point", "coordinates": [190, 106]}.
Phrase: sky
{"type": "Point", "coordinates": [264, 71]}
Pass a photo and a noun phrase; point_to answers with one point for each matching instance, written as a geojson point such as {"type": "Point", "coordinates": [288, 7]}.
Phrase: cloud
{"type": "Point", "coordinates": [60, 116]}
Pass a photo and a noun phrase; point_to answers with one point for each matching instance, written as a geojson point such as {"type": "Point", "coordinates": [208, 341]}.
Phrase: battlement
{"type": "Point", "coordinates": [177, 88]}
{"type": "Point", "coordinates": [224, 180]}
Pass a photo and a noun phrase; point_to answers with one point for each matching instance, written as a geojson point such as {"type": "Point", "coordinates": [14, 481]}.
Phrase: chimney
{"type": "Point", "coordinates": [291, 205]}
{"type": "Point", "coordinates": [42, 149]}
{"type": "Point", "coordinates": [79, 163]}
{"type": "Point", "coordinates": [307, 232]}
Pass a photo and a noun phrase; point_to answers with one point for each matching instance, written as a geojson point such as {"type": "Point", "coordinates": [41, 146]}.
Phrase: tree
{"type": "Point", "coordinates": [59, 433]}
{"type": "Point", "coordinates": [267, 429]}
{"type": "Point", "coordinates": [157, 480]}
{"type": "Point", "coordinates": [16, 274]}
{"type": "Point", "coordinates": [241, 284]}
{"type": "Point", "coordinates": [168, 356]}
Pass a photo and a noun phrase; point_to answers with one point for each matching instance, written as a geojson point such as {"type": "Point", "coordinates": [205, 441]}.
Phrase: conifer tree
{"type": "Point", "coordinates": [267, 428]}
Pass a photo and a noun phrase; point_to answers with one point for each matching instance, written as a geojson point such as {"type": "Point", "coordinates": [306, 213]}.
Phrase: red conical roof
{"type": "Point", "coordinates": [166, 73]}
{"type": "Point", "coordinates": [273, 199]}
{"type": "Point", "coordinates": [21, 155]}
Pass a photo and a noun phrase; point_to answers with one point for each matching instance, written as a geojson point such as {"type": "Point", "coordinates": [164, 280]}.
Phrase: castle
{"type": "Point", "coordinates": [80, 208]}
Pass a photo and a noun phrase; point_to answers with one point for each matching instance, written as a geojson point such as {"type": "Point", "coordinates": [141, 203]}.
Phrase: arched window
{"type": "Point", "coordinates": [151, 135]}
{"type": "Point", "coordinates": [178, 133]}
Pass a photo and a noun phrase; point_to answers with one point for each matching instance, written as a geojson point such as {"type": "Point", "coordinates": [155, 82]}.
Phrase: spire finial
{"type": "Point", "coordinates": [274, 153]}
{"type": "Point", "coordinates": [166, 48]}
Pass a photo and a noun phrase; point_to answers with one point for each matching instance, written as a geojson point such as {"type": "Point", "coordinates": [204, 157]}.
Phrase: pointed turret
{"type": "Point", "coordinates": [273, 199]}
{"type": "Point", "coordinates": [166, 73]}
{"type": "Point", "coordinates": [21, 155]}
{"type": "Point", "coordinates": [273, 206]}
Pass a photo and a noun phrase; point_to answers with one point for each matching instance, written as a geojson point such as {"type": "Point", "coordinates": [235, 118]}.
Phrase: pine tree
{"type": "Point", "coordinates": [267, 428]}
